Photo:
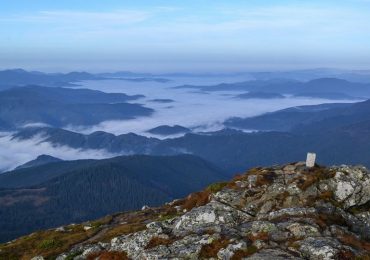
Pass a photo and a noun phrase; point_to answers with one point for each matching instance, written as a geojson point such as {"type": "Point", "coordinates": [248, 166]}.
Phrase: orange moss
{"type": "Point", "coordinates": [212, 249]}
{"type": "Point", "coordinates": [196, 200]}
{"type": "Point", "coordinates": [313, 175]}
{"type": "Point", "coordinates": [105, 255]}
{"type": "Point", "coordinates": [345, 255]}
{"type": "Point", "coordinates": [259, 236]}
{"type": "Point", "coordinates": [48, 243]}
{"type": "Point", "coordinates": [363, 257]}
{"type": "Point", "coordinates": [232, 185]}
{"type": "Point", "coordinates": [353, 241]}
{"type": "Point", "coordinates": [327, 195]}
{"type": "Point", "coordinates": [241, 254]}
{"type": "Point", "coordinates": [265, 178]}
{"type": "Point", "coordinates": [121, 230]}
{"type": "Point", "coordinates": [157, 241]}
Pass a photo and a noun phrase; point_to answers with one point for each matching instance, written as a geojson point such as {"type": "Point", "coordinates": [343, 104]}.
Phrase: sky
{"type": "Point", "coordinates": [186, 35]}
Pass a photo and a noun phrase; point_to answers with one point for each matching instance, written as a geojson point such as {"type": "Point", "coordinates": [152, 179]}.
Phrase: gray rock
{"type": "Point", "coordinates": [320, 248]}
{"type": "Point", "coordinates": [229, 251]}
{"type": "Point", "coordinates": [212, 214]}
{"type": "Point", "coordinates": [37, 258]}
{"type": "Point", "coordinates": [273, 254]}
{"type": "Point", "coordinates": [302, 231]}
{"type": "Point", "coordinates": [189, 247]}
{"type": "Point", "coordinates": [291, 212]}
{"type": "Point", "coordinates": [272, 214]}
{"type": "Point", "coordinates": [134, 244]}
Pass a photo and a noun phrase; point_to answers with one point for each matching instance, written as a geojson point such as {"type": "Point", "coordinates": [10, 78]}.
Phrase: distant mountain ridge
{"type": "Point", "coordinates": [59, 107]}
{"type": "Point", "coordinates": [126, 143]}
{"type": "Point", "coordinates": [307, 119]}
{"type": "Point", "coordinates": [40, 160]}
{"type": "Point", "coordinates": [335, 131]}
{"type": "Point", "coordinates": [166, 130]}
{"type": "Point", "coordinates": [260, 95]}
{"type": "Point", "coordinates": [331, 88]}
{"type": "Point", "coordinates": [19, 77]}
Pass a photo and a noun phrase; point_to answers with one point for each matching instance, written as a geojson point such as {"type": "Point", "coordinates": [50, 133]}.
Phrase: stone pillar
{"type": "Point", "coordinates": [310, 161]}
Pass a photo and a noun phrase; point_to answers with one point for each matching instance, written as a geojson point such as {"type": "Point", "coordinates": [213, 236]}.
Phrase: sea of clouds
{"type": "Point", "coordinates": [200, 111]}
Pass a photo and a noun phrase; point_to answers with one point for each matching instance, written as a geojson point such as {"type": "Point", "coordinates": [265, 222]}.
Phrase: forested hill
{"type": "Point", "coordinates": [64, 192]}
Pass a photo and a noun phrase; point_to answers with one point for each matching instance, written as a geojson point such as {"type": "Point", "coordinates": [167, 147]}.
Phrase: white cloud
{"type": "Point", "coordinates": [201, 111]}
{"type": "Point", "coordinates": [36, 124]}
{"type": "Point", "coordinates": [192, 109]}
{"type": "Point", "coordinates": [82, 18]}
{"type": "Point", "coordinates": [16, 152]}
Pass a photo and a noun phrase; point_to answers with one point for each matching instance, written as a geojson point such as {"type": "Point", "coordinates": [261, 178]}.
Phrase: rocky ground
{"type": "Point", "coordinates": [282, 212]}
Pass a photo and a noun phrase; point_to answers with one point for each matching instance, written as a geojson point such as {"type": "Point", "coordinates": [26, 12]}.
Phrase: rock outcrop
{"type": "Point", "coordinates": [282, 212]}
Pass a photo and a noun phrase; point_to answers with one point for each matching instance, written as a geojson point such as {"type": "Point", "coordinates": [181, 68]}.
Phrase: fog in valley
{"type": "Point", "coordinates": [197, 110]}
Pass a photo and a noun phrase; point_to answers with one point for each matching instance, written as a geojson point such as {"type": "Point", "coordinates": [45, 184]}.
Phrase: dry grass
{"type": "Point", "coordinates": [46, 243]}
{"type": "Point", "coordinates": [281, 198]}
{"type": "Point", "coordinates": [330, 219]}
{"type": "Point", "coordinates": [264, 236]}
{"type": "Point", "coordinates": [345, 255]}
{"type": "Point", "coordinates": [216, 187]}
{"type": "Point", "coordinates": [49, 243]}
{"type": "Point", "coordinates": [196, 199]}
{"type": "Point", "coordinates": [157, 241]}
{"type": "Point", "coordinates": [353, 241]}
{"type": "Point", "coordinates": [265, 178]}
{"type": "Point", "coordinates": [241, 254]}
{"type": "Point", "coordinates": [121, 230]}
{"type": "Point", "coordinates": [327, 195]}
{"type": "Point", "coordinates": [212, 249]}
{"type": "Point", "coordinates": [105, 255]}
{"type": "Point", "coordinates": [314, 175]}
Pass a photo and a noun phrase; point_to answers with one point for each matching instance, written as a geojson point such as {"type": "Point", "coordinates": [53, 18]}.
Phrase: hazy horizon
{"type": "Point", "coordinates": [192, 36]}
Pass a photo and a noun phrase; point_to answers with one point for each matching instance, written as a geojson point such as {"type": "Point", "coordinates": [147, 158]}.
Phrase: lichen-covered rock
{"type": "Point", "coordinates": [255, 227]}
{"type": "Point", "coordinates": [134, 243]}
{"type": "Point", "coordinates": [351, 186]}
{"type": "Point", "coordinates": [229, 251]}
{"type": "Point", "coordinates": [321, 248]}
{"type": "Point", "coordinates": [299, 230]}
{"type": "Point", "coordinates": [273, 254]}
{"type": "Point", "coordinates": [37, 258]}
{"type": "Point", "coordinates": [211, 216]}
{"type": "Point", "coordinates": [282, 212]}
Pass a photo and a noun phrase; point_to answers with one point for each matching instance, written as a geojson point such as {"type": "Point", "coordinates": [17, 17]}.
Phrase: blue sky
{"type": "Point", "coordinates": [187, 35]}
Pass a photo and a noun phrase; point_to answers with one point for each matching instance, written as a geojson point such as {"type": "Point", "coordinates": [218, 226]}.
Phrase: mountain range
{"type": "Point", "coordinates": [49, 192]}
{"type": "Point", "coordinates": [166, 130]}
{"type": "Point", "coordinates": [19, 77]}
{"type": "Point", "coordinates": [337, 132]}
{"type": "Point", "coordinates": [62, 106]}
{"type": "Point", "coordinates": [328, 88]}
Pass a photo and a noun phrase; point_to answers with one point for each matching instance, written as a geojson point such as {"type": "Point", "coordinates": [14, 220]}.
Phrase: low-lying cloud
{"type": "Point", "coordinates": [14, 152]}
{"type": "Point", "coordinates": [197, 110]}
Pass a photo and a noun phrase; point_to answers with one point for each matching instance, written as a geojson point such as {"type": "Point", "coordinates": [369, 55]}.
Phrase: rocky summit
{"type": "Point", "coordinates": [280, 212]}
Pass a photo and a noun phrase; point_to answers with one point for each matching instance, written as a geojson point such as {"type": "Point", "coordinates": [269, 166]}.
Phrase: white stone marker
{"type": "Point", "coordinates": [310, 161]}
